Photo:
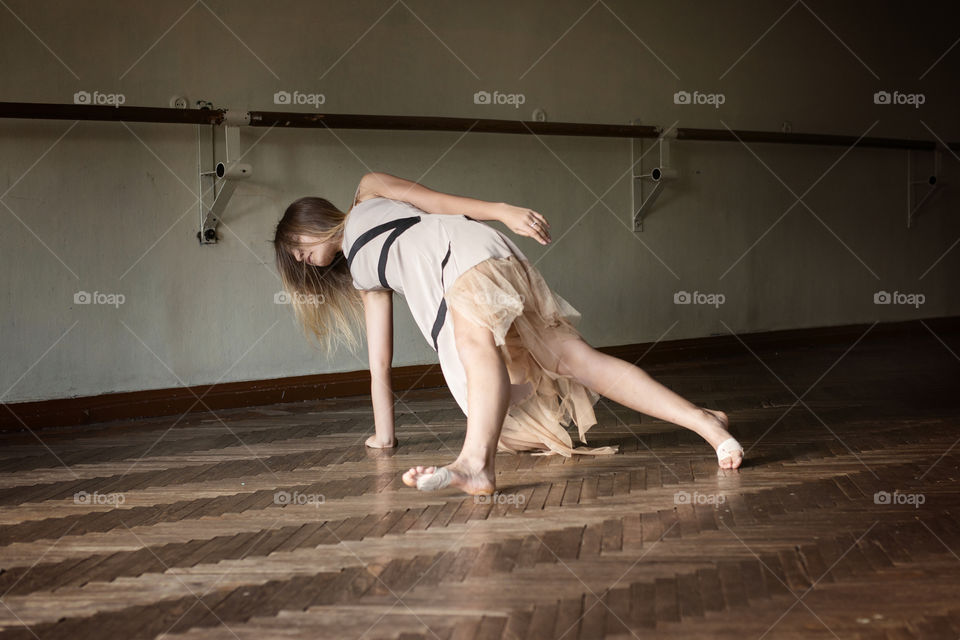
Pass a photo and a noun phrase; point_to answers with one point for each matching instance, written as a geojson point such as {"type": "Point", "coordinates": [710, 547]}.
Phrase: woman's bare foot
{"type": "Point", "coordinates": [374, 443]}
{"type": "Point", "coordinates": [715, 432]}
{"type": "Point", "coordinates": [479, 482]}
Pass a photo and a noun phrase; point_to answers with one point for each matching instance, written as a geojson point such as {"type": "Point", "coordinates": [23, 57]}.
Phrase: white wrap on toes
{"type": "Point", "coordinates": [439, 479]}
{"type": "Point", "coordinates": [728, 449]}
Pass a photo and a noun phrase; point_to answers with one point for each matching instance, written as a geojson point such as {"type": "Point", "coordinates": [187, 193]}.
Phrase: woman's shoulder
{"type": "Point", "coordinates": [364, 215]}
{"type": "Point", "coordinates": [363, 192]}
{"type": "Point", "coordinates": [363, 197]}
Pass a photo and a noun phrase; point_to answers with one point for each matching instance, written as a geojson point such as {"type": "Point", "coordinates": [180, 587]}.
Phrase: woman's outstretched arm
{"type": "Point", "coordinates": [517, 219]}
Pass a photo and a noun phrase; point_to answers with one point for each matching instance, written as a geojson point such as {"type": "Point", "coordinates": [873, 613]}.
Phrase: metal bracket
{"type": "Point", "coordinates": [225, 173]}
{"type": "Point", "coordinates": [659, 175]}
{"type": "Point", "coordinates": [933, 180]}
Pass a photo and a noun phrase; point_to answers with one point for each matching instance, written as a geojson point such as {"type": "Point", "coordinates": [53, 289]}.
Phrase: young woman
{"type": "Point", "coordinates": [508, 346]}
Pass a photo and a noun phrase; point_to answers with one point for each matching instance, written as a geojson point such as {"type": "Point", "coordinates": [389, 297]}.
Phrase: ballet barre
{"type": "Point", "coordinates": [228, 170]}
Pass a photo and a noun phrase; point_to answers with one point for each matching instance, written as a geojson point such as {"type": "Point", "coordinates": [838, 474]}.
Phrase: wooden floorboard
{"type": "Point", "coordinates": [277, 522]}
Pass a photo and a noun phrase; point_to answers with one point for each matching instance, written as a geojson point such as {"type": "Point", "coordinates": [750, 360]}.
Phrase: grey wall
{"type": "Point", "coordinates": [111, 207]}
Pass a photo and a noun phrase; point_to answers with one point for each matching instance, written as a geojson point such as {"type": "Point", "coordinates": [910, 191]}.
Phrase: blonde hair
{"type": "Point", "coordinates": [324, 300]}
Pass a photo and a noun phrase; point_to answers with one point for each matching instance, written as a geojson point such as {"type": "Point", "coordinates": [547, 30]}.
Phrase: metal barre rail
{"type": "Point", "coordinates": [48, 111]}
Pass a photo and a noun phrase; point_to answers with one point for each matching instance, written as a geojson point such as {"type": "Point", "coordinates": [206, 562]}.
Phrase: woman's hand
{"type": "Point", "coordinates": [525, 222]}
{"type": "Point", "coordinates": [374, 443]}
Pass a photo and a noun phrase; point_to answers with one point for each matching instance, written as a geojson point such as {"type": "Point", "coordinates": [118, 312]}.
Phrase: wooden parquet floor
{"type": "Point", "coordinates": [276, 522]}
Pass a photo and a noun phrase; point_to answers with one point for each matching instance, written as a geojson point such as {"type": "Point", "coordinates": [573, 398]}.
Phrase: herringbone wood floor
{"type": "Point", "coordinates": [182, 532]}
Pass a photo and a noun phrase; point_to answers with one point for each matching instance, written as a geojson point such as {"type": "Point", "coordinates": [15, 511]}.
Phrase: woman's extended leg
{"type": "Point", "coordinates": [488, 394]}
{"type": "Point", "coordinates": [631, 386]}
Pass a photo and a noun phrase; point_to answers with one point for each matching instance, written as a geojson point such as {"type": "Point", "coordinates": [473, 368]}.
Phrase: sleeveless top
{"type": "Point", "coordinates": [393, 245]}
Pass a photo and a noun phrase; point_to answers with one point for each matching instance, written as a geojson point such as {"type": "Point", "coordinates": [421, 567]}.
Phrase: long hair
{"type": "Point", "coordinates": [324, 300]}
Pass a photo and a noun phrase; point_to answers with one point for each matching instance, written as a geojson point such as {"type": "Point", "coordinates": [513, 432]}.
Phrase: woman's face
{"type": "Point", "coordinates": [318, 255]}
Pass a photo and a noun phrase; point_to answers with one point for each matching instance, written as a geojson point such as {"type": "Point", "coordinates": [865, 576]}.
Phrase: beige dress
{"type": "Point", "coordinates": [439, 261]}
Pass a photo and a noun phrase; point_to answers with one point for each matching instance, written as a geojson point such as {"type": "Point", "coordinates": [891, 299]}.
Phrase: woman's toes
{"type": "Point", "coordinates": [731, 462]}
{"type": "Point", "coordinates": [468, 482]}
{"type": "Point", "coordinates": [410, 476]}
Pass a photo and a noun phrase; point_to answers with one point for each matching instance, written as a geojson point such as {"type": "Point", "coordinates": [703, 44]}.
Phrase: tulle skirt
{"type": "Point", "coordinates": [511, 298]}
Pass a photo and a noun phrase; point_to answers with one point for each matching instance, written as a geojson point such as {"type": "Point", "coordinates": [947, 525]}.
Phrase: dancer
{"type": "Point", "coordinates": [508, 346]}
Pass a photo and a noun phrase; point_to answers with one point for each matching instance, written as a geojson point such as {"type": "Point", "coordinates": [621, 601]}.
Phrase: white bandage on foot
{"type": "Point", "coordinates": [433, 481]}
{"type": "Point", "coordinates": [728, 449]}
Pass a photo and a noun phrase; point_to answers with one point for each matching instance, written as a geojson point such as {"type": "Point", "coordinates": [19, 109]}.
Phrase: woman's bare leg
{"type": "Point", "coordinates": [488, 394]}
{"type": "Point", "coordinates": [631, 386]}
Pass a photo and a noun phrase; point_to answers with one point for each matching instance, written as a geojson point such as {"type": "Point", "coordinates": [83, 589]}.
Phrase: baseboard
{"type": "Point", "coordinates": [179, 400]}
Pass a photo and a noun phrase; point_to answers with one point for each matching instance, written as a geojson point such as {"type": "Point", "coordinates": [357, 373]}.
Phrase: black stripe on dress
{"type": "Point", "coordinates": [442, 311]}
{"type": "Point", "coordinates": [399, 226]}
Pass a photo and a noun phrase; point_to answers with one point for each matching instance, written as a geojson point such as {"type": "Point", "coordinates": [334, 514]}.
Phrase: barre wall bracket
{"type": "Point", "coordinates": [659, 175]}
{"type": "Point", "coordinates": [225, 175]}
{"type": "Point", "coordinates": [932, 180]}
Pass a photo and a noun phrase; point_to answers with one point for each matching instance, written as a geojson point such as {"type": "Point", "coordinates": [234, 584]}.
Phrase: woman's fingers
{"type": "Point", "coordinates": [541, 226]}
{"type": "Point", "coordinates": [542, 231]}
{"type": "Point", "coordinates": [533, 224]}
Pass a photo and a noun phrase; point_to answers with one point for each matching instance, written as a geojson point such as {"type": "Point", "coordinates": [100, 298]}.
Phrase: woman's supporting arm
{"type": "Point", "coordinates": [378, 311]}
